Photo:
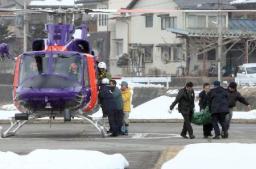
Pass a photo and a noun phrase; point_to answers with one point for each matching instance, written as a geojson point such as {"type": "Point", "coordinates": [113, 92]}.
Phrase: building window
{"type": "Point", "coordinates": [168, 22]}
{"type": "Point", "coordinates": [149, 21]}
{"type": "Point", "coordinates": [196, 21]}
{"type": "Point", "coordinates": [119, 47]}
{"type": "Point", "coordinates": [177, 53]}
{"type": "Point", "coordinates": [213, 21]}
{"type": "Point", "coordinates": [166, 54]}
{"type": "Point", "coordinates": [211, 55]}
{"type": "Point", "coordinates": [148, 54]}
{"type": "Point", "coordinates": [103, 19]}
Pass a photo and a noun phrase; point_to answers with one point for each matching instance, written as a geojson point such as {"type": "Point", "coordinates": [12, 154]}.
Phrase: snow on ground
{"type": "Point", "coordinates": [52, 3]}
{"type": "Point", "coordinates": [213, 156]}
{"type": "Point", "coordinates": [242, 1]}
{"type": "Point", "coordinates": [157, 108]}
{"type": "Point", "coordinates": [62, 159]}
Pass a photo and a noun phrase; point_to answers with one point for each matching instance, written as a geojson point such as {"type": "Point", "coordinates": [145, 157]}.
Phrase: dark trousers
{"type": "Point", "coordinates": [207, 128]}
{"type": "Point", "coordinates": [115, 119]}
{"type": "Point", "coordinates": [187, 124]}
{"type": "Point", "coordinates": [219, 118]}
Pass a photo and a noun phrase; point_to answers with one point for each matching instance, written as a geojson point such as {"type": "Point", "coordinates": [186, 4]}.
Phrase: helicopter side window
{"type": "Point", "coordinates": [86, 76]}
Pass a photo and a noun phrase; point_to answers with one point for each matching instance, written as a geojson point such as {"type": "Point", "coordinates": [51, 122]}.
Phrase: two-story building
{"type": "Point", "coordinates": [142, 44]}
{"type": "Point", "coordinates": [171, 40]}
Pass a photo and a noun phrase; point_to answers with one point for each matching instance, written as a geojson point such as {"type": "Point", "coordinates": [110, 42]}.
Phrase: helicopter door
{"type": "Point", "coordinates": [93, 83]}
{"type": "Point", "coordinates": [16, 76]}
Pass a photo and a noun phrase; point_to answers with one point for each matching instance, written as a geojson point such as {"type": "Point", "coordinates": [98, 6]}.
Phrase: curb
{"type": "Point", "coordinates": [45, 121]}
{"type": "Point", "coordinates": [242, 121]}
{"type": "Point", "coordinates": [167, 155]}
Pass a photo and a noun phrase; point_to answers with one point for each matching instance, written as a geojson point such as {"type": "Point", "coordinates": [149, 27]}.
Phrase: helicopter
{"type": "Point", "coordinates": [4, 51]}
{"type": "Point", "coordinates": [58, 78]}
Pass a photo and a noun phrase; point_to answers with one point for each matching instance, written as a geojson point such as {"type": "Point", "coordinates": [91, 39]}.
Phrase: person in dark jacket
{"type": "Point", "coordinates": [108, 105]}
{"type": "Point", "coordinates": [218, 105]}
{"type": "Point", "coordinates": [116, 117]}
{"type": "Point", "coordinates": [234, 96]}
{"type": "Point", "coordinates": [185, 100]}
{"type": "Point", "coordinates": [203, 103]}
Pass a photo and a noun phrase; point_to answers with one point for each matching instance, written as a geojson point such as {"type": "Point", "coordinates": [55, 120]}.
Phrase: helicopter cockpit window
{"type": "Point", "coordinates": [67, 65]}
{"type": "Point", "coordinates": [32, 65]}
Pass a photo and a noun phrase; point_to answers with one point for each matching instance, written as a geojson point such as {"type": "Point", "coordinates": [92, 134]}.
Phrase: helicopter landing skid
{"type": "Point", "coordinates": [15, 125]}
{"type": "Point", "coordinates": [97, 123]}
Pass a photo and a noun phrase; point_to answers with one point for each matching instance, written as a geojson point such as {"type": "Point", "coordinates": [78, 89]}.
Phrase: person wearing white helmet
{"type": "Point", "coordinates": [105, 81]}
{"type": "Point", "coordinates": [102, 65]}
{"type": "Point", "coordinates": [102, 72]}
{"type": "Point", "coordinates": [108, 106]}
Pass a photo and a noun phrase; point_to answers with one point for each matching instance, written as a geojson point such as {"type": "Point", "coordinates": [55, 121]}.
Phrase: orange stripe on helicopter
{"type": "Point", "coordinates": [93, 83]}
{"type": "Point", "coordinates": [16, 82]}
{"type": "Point", "coordinates": [56, 48]}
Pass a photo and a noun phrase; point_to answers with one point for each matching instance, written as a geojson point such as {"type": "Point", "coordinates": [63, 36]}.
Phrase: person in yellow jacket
{"type": "Point", "coordinates": [126, 96]}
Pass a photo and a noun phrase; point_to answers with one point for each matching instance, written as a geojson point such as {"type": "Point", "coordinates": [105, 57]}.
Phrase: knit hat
{"type": "Point", "coordinates": [232, 85]}
{"type": "Point", "coordinates": [216, 83]}
{"type": "Point", "coordinates": [124, 83]}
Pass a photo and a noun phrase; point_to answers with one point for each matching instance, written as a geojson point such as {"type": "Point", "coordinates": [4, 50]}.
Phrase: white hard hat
{"type": "Point", "coordinates": [105, 81]}
{"type": "Point", "coordinates": [102, 65]}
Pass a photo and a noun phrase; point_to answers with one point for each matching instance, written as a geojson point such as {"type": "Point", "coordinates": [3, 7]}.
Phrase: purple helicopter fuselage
{"type": "Point", "coordinates": [51, 84]}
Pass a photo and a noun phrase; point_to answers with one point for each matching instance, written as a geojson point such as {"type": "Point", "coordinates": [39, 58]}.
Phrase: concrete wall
{"type": "Point", "coordinates": [142, 95]}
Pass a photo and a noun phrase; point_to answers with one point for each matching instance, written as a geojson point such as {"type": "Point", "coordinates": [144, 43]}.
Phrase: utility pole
{"type": "Point", "coordinates": [25, 26]}
{"type": "Point", "coordinates": [219, 43]}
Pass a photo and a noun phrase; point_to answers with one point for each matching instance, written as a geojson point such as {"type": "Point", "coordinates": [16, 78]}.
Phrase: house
{"type": "Point", "coordinates": [142, 45]}
{"type": "Point", "coordinates": [180, 42]}
{"type": "Point", "coordinates": [99, 34]}
{"type": "Point", "coordinates": [201, 37]}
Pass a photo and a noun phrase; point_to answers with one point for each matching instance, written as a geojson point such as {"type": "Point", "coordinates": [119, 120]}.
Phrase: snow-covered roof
{"type": "Point", "coordinates": [242, 1]}
{"type": "Point", "coordinates": [194, 4]}
{"type": "Point", "coordinates": [52, 3]}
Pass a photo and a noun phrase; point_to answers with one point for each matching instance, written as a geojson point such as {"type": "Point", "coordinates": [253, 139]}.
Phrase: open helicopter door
{"type": "Point", "coordinates": [93, 84]}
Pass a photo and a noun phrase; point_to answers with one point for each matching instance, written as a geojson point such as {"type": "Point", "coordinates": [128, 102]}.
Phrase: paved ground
{"type": "Point", "coordinates": [142, 147]}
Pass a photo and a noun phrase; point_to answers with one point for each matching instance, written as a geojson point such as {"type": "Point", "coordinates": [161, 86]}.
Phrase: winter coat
{"type": "Point", "coordinates": [218, 100]}
{"type": "Point", "coordinates": [235, 96]}
{"type": "Point", "coordinates": [203, 100]}
{"type": "Point", "coordinates": [106, 99]}
{"type": "Point", "coordinates": [185, 100]}
{"type": "Point", "coordinates": [118, 98]}
{"type": "Point", "coordinates": [103, 74]}
{"type": "Point", "coordinates": [126, 95]}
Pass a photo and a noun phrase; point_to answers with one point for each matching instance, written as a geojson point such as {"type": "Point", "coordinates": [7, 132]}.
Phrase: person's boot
{"type": "Point", "coordinates": [192, 136]}
{"type": "Point", "coordinates": [184, 136]}
{"type": "Point", "coordinates": [225, 135]}
{"type": "Point", "coordinates": [216, 137]}
{"type": "Point", "coordinates": [126, 130]}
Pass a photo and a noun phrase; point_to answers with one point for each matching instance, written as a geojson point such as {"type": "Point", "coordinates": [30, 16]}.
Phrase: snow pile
{"type": "Point", "coordinates": [52, 3]}
{"type": "Point", "coordinates": [242, 1]}
{"type": "Point", "coordinates": [9, 107]}
{"type": "Point", "coordinates": [62, 159]}
{"type": "Point", "coordinates": [212, 156]}
{"type": "Point", "coordinates": [158, 108]}
{"type": "Point", "coordinates": [8, 111]}
{"type": "Point", "coordinates": [172, 91]}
